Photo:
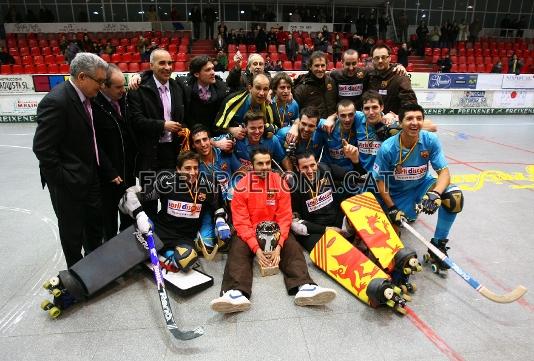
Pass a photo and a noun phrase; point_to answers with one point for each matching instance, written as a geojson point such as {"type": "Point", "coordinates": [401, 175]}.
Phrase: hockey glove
{"type": "Point", "coordinates": [129, 203]}
{"type": "Point", "coordinates": [143, 223]}
{"type": "Point", "coordinates": [396, 216]}
{"type": "Point", "coordinates": [299, 228]}
{"type": "Point", "coordinates": [430, 203]}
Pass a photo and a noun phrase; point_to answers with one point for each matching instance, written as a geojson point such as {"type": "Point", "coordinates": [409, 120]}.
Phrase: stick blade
{"type": "Point", "coordinates": [187, 335]}
{"type": "Point", "coordinates": [509, 297]}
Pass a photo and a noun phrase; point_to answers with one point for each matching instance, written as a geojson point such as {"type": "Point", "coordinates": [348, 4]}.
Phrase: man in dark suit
{"type": "Point", "coordinates": [115, 139]}
{"type": "Point", "coordinates": [158, 110]}
{"type": "Point", "coordinates": [66, 147]}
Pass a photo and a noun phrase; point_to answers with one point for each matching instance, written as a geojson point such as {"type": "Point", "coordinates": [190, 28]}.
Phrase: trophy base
{"type": "Point", "coordinates": [268, 271]}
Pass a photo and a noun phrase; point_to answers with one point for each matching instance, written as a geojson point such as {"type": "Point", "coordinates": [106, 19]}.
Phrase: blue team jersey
{"type": "Point", "coordinates": [287, 112]}
{"type": "Point", "coordinates": [223, 167]}
{"type": "Point", "coordinates": [313, 145]}
{"type": "Point", "coordinates": [368, 144]}
{"type": "Point", "coordinates": [414, 170]}
{"type": "Point", "coordinates": [243, 150]}
{"type": "Point", "coordinates": [333, 148]}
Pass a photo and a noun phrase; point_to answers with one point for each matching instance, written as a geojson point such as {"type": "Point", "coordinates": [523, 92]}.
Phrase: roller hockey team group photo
{"type": "Point", "coordinates": [332, 180]}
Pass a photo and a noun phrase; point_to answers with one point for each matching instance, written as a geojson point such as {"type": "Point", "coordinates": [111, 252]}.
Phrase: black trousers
{"type": "Point", "coordinates": [111, 195]}
{"type": "Point", "coordinates": [79, 220]}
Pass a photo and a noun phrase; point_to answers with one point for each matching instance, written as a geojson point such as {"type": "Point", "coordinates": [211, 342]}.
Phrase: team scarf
{"type": "Point", "coordinates": [234, 104]}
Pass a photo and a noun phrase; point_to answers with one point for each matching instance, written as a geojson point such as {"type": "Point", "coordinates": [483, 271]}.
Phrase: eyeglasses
{"type": "Point", "coordinates": [378, 58]}
{"type": "Point", "coordinates": [100, 82]}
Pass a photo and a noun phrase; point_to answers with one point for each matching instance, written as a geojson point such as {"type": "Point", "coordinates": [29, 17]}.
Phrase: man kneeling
{"type": "Point", "coordinates": [263, 196]}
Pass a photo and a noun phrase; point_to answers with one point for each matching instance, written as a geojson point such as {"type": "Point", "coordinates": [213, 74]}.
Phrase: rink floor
{"type": "Point", "coordinates": [490, 157]}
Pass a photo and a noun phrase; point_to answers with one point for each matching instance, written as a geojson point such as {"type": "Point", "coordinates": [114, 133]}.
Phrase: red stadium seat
{"type": "Point", "coordinates": [454, 59]}
{"type": "Point", "coordinates": [454, 68]}
{"type": "Point", "coordinates": [133, 67]}
{"type": "Point", "coordinates": [145, 66]}
{"type": "Point", "coordinates": [131, 49]}
{"type": "Point", "coordinates": [339, 65]}
{"type": "Point", "coordinates": [52, 68]}
{"type": "Point", "coordinates": [116, 58]}
{"type": "Point", "coordinates": [24, 51]}
{"type": "Point", "coordinates": [126, 57]}
{"type": "Point", "coordinates": [60, 59]}
{"type": "Point", "coordinates": [288, 65]}
{"type": "Point", "coordinates": [488, 67]}
{"type": "Point", "coordinates": [232, 48]}
{"type": "Point", "coordinates": [64, 68]}
{"type": "Point", "coordinates": [242, 48]}
{"type": "Point", "coordinates": [179, 66]}
{"type": "Point", "coordinates": [272, 48]}
{"type": "Point", "coordinates": [297, 65]}
{"type": "Point", "coordinates": [5, 69]}
{"type": "Point", "coordinates": [480, 68]}
{"type": "Point", "coordinates": [27, 60]}
{"type": "Point", "coordinates": [173, 48]}
{"type": "Point", "coordinates": [409, 68]}
{"type": "Point", "coordinates": [120, 49]}
{"type": "Point", "coordinates": [29, 69]}
{"type": "Point", "coordinates": [182, 57]}
{"type": "Point", "coordinates": [123, 67]}
{"type": "Point", "coordinates": [274, 56]}
{"type": "Point", "coordinates": [38, 60]}
{"type": "Point", "coordinates": [183, 49]}
{"type": "Point", "coordinates": [35, 51]}
{"type": "Point", "coordinates": [462, 68]}
{"type": "Point", "coordinates": [46, 51]}
{"type": "Point", "coordinates": [330, 65]}
{"type": "Point", "coordinates": [136, 58]}
{"type": "Point", "coordinates": [251, 48]}
{"type": "Point", "coordinates": [41, 69]}
{"type": "Point", "coordinates": [17, 69]}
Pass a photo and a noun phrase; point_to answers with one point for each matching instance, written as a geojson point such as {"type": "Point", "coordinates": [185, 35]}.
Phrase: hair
{"type": "Point", "coordinates": [345, 103]}
{"type": "Point", "coordinates": [349, 52]}
{"type": "Point", "coordinates": [152, 54]}
{"type": "Point", "coordinates": [249, 60]}
{"type": "Point", "coordinates": [252, 115]}
{"type": "Point", "coordinates": [303, 155]}
{"type": "Point", "coordinates": [185, 156]}
{"type": "Point", "coordinates": [197, 128]}
{"type": "Point", "coordinates": [278, 78]}
{"type": "Point", "coordinates": [310, 112]}
{"type": "Point", "coordinates": [112, 68]}
{"type": "Point", "coordinates": [380, 46]}
{"type": "Point", "coordinates": [316, 55]}
{"type": "Point", "coordinates": [87, 63]}
{"type": "Point", "coordinates": [197, 63]}
{"type": "Point", "coordinates": [372, 95]}
{"type": "Point", "coordinates": [259, 151]}
{"type": "Point", "coordinates": [410, 107]}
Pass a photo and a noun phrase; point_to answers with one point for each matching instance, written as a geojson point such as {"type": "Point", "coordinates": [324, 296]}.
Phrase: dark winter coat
{"type": "Point", "coordinates": [320, 93]}
{"type": "Point", "coordinates": [205, 112]}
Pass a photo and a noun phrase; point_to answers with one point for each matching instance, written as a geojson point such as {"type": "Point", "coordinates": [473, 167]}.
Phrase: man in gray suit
{"type": "Point", "coordinates": [67, 150]}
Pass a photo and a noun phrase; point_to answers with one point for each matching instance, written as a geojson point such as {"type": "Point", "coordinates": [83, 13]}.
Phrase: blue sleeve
{"type": "Point", "coordinates": [281, 134]}
{"type": "Point", "coordinates": [359, 118]}
{"type": "Point", "coordinates": [437, 158]}
{"type": "Point", "coordinates": [235, 164]}
{"type": "Point", "coordinates": [278, 151]}
{"type": "Point", "coordinates": [320, 125]}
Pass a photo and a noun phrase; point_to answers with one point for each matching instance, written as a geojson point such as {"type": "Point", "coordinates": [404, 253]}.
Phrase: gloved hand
{"type": "Point", "coordinates": [298, 227]}
{"type": "Point", "coordinates": [430, 203]}
{"type": "Point", "coordinates": [143, 223]}
{"type": "Point", "coordinates": [396, 216]}
{"type": "Point", "coordinates": [222, 229]}
{"type": "Point", "coordinates": [129, 202]}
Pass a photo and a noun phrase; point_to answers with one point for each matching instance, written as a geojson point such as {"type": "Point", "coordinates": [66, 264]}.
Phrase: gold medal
{"type": "Point", "coordinates": [398, 169]}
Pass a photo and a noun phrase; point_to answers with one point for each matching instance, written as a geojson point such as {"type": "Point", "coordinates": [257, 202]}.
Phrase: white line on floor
{"type": "Point", "coordinates": [14, 146]}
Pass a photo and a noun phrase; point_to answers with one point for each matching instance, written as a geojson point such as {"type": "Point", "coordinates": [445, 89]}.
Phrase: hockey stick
{"type": "Point", "coordinates": [512, 296]}
{"type": "Point", "coordinates": [164, 298]}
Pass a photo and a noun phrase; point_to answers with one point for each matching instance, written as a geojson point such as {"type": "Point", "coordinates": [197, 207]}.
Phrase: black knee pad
{"type": "Point", "coordinates": [453, 200]}
{"type": "Point", "coordinates": [185, 256]}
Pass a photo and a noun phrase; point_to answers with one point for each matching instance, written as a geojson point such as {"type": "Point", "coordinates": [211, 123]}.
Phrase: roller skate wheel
{"type": "Point", "coordinates": [418, 268]}
{"type": "Point", "coordinates": [413, 287]}
{"type": "Point", "coordinates": [413, 262]}
{"type": "Point", "coordinates": [54, 312]}
{"type": "Point", "coordinates": [407, 271]}
{"type": "Point", "coordinates": [407, 298]}
{"type": "Point", "coordinates": [426, 257]}
{"type": "Point", "coordinates": [56, 292]}
{"type": "Point", "coordinates": [397, 290]}
{"type": "Point", "coordinates": [388, 293]}
{"type": "Point", "coordinates": [400, 310]}
{"type": "Point", "coordinates": [47, 285]}
{"type": "Point", "coordinates": [390, 303]}
{"type": "Point", "coordinates": [45, 305]}
{"type": "Point", "coordinates": [404, 288]}
{"type": "Point", "coordinates": [435, 268]}
{"type": "Point", "coordinates": [54, 281]}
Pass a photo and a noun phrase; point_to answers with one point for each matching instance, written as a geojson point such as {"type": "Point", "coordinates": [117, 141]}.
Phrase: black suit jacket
{"type": "Point", "coordinates": [63, 142]}
{"type": "Point", "coordinates": [147, 119]}
{"type": "Point", "coordinates": [115, 140]}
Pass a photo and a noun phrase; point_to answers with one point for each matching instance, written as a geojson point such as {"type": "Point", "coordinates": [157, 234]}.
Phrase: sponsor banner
{"type": "Point", "coordinates": [17, 118]}
{"type": "Point", "coordinates": [452, 81]}
{"type": "Point", "coordinates": [513, 99]}
{"type": "Point", "coordinates": [479, 111]}
{"type": "Point", "coordinates": [489, 81]}
{"type": "Point", "coordinates": [472, 99]}
{"type": "Point", "coordinates": [300, 26]}
{"type": "Point", "coordinates": [434, 99]}
{"type": "Point", "coordinates": [76, 27]}
{"type": "Point", "coordinates": [16, 84]}
{"type": "Point", "coordinates": [511, 81]}
{"type": "Point", "coordinates": [419, 80]}
{"type": "Point", "coordinates": [17, 105]}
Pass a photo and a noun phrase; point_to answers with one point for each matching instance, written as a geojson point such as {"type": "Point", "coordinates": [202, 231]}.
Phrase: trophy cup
{"type": "Point", "coordinates": [268, 234]}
